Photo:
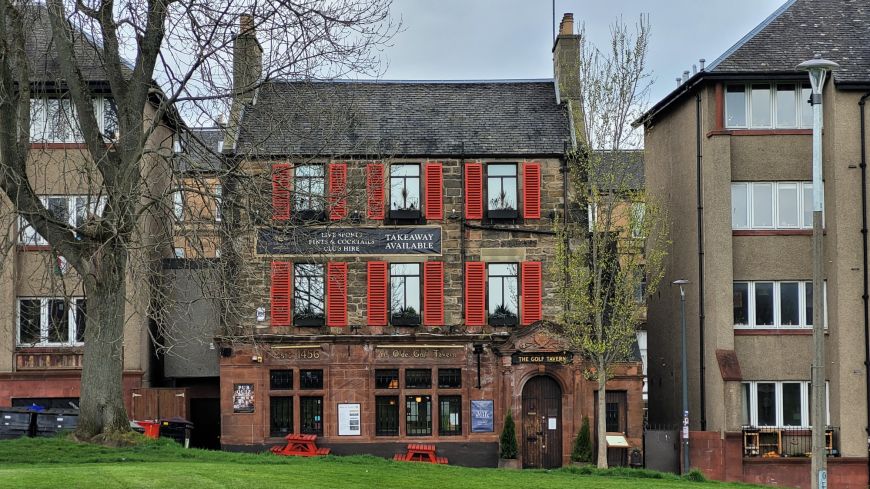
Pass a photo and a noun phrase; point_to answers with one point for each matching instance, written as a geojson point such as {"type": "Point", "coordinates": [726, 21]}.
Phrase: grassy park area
{"type": "Point", "coordinates": [61, 463]}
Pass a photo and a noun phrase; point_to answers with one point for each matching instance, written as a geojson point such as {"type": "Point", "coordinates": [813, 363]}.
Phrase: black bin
{"type": "Point", "coordinates": [54, 421]}
{"type": "Point", "coordinates": [16, 422]}
{"type": "Point", "coordinates": [178, 429]}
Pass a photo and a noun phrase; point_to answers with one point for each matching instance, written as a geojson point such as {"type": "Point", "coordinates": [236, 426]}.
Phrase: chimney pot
{"type": "Point", "coordinates": [702, 61]}
{"type": "Point", "coordinates": [246, 23]}
{"type": "Point", "coordinates": [566, 27]}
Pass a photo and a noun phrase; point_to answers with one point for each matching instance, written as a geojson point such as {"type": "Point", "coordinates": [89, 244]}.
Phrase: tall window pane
{"type": "Point", "coordinates": [789, 305]}
{"type": "Point", "coordinates": [309, 185]}
{"type": "Point", "coordinates": [760, 103]}
{"type": "Point", "coordinates": [747, 404]}
{"type": "Point", "coordinates": [501, 187]}
{"type": "Point", "coordinates": [806, 108]}
{"type": "Point", "coordinates": [808, 303]}
{"type": "Point", "coordinates": [762, 205]}
{"type": "Point", "coordinates": [791, 404]}
{"type": "Point", "coordinates": [29, 311]}
{"type": "Point", "coordinates": [81, 319]}
{"type": "Point", "coordinates": [59, 208]}
{"type": "Point", "coordinates": [763, 303]}
{"type": "Point", "coordinates": [418, 415]}
{"type": "Point", "coordinates": [735, 106]}
{"type": "Point", "coordinates": [739, 206]}
{"type": "Point", "coordinates": [808, 205]}
{"type": "Point", "coordinates": [308, 294]}
{"type": "Point", "coordinates": [786, 112]}
{"type": "Point", "coordinates": [58, 321]}
{"type": "Point", "coordinates": [280, 416]}
{"type": "Point", "coordinates": [311, 415]}
{"type": "Point", "coordinates": [741, 303]}
{"type": "Point", "coordinates": [386, 416]}
{"type": "Point", "coordinates": [405, 187]}
{"type": "Point", "coordinates": [788, 214]}
{"type": "Point", "coordinates": [503, 293]}
{"type": "Point", "coordinates": [449, 415]}
{"type": "Point", "coordinates": [405, 293]}
{"type": "Point", "coordinates": [766, 413]}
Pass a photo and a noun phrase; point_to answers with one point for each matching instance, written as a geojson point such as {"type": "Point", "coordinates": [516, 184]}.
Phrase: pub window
{"type": "Point", "coordinates": [308, 294]}
{"type": "Point", "coordinates": [311, 379]}
{"type": "Point", "coordinates": [311, 415]}
{"type": "Point", "coordinates": [503, 297]}
{"type": "Point", "coordinates": [418, 415]}
{"type": "Point", "coordinates": [418, 378]}
{"type": "Point", "coordinates": [308, 191]}
{"type": "Point", "coordinates": [386, 416]}
{"type": "Point", "coordinates": [405, 294]}
{"type": "Point", "coordinates": [501, 191]}
{"type": "Point", "coordinates": [449, 415]}
{"type": "Point", "coordinates": [405, 191]}
{"type": "Point", "coordinates": [281, 379]}
{"type": "Point", "coordinates": [449, 378]}
{"type": "Point", "coordinates": [387, 378]}
{"type": "Point", "coordinates": [280, 415]}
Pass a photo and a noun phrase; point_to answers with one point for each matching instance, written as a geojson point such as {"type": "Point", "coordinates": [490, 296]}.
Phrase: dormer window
{"type": "Point", "coordinates": [405, 191]}
{"type": "Point", "coordinates": [768, 106]}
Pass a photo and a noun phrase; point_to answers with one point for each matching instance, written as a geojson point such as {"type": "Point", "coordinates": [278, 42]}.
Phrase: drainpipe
{"type": "Point", "coordinates": [864, 296]}
{"type": "Point", "coordinates": [700, 196]}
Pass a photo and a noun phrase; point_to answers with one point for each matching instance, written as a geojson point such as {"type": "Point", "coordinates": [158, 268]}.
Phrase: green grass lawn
{"type": "Point", "coordinates": [60, 463]}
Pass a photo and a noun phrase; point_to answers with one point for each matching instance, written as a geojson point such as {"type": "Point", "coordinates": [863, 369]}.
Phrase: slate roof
{"type": "Point", "coordinates": [627, 165]}
{"type": "Point", "coordinates": [837, 29]}
{"type": "Point", "coordinates": [385, 118]}
{"type": "Point", "coordinates": [201, 150]}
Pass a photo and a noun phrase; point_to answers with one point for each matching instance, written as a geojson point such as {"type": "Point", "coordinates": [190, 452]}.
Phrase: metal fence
{"type": "Point", "coordinates": [786, 441]}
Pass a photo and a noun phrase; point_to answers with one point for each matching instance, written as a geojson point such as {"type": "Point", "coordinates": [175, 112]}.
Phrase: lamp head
{"type": "Point", "coordinates": [818, 69]}
{"type": "Point", "coordinates": [681, 281]}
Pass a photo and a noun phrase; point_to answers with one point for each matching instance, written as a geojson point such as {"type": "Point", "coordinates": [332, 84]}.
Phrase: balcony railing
{"type": "Point", "coordinates": [786, 441]}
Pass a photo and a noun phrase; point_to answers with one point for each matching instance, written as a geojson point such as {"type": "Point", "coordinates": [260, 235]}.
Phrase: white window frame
{"type": "Point", "coordinates": [800, 123]}
{"type": "Point", "coordinates": [804, 323]}
{"type": "Point", "coordinates": [218, 200]}
{"type": "Point", "coordinates": [805, 404]}
{"type": "Point", "coordinates": [178, 204]}
{"type": "Point", "coordinates": [75, 136]}
{"type": "Point", "coordinates": [72, 311]}
{"type": "Point", "coordinates": [28, 236]}
{"type": "Point", "coordinates": [750, 204]}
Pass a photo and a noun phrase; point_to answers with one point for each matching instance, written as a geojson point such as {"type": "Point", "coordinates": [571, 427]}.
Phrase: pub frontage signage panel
{"type": "Point", "coordinates": [419, 240]}
{"type": "Point", "coordinates": [542, 357]}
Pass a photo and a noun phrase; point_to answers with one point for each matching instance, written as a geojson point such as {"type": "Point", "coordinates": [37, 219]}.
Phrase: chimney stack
{"type": "Point", "coordinates": [247, 56]}
{"type": "Point", "coordinates": [566, 60]}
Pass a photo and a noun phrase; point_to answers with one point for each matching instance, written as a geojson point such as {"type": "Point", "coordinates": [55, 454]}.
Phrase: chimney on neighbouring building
{"type": "Point", "coordinates": [566, 60]}
{"type": "Point", "coordinates": [247, 56]}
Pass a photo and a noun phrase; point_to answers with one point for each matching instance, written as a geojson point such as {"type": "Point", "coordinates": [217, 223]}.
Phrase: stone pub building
{"type": "Point", "coordinates": [396, 276]}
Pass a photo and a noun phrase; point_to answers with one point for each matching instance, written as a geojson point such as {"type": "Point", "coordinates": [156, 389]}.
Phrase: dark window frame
{"type": "Point", "coordinates": [409, 372]}
{"type": "Point", "coordinates": [305, 297]}
{"type": "Point", "coordinates": [309, 205]}
{"type": "Point", "coordinates": [414, 425]}
{"type": "Point", "coordinates": [454, 403]}
{"type": "Point", "coordinates": [388, 377]}
{"type": "Point", "coordinates": [307, 376]}
{"type": "Point", "coordinates": [311, 426]}
{"type": "Point", "coordinates": [449, 378]}
{"type": "Point", "coordinates": [493, 212]}
{"type": "Point", "coordinates": [509, 318]}
{"type": "Point", "coordinates": [404, 317]}
{"type": "Point", "coordinates": [404, 210]}
{"type": "Point", "coordinates": [281, 379]}
{"type": "Point", "coordinates": [286, 414]}
{"type": "Point", "coordinates": [387, 422]}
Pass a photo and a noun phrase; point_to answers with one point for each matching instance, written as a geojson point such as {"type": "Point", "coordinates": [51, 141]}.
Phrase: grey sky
{"type": "Point", "coordinates": [494, 39]}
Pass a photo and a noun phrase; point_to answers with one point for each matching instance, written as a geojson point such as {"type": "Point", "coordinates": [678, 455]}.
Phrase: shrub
{"type": "Point", "coordinates": [582, 451]}
{"type": "Point", "coordinates": [508, 441]}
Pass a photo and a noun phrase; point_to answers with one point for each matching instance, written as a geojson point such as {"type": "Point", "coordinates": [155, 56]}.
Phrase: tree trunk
{"type": "Point", "coordinates": [102, 393]}
{"type": "Point", "coordinates": [602, 418]}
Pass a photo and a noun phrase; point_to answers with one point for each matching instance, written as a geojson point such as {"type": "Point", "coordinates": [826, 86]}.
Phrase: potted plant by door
{"type": "Point", "coordinates": [582, 452]}
{"type": "Point", "coordinates": [507, 457]}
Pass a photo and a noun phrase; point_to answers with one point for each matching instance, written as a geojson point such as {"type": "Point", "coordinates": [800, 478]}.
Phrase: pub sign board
{"type": "Point", "coordinates": [562, 357]}
{"type": "Point", "coordinates": [417, 240]}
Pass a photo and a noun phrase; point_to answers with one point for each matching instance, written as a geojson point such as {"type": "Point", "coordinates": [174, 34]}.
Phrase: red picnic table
{"type": "Point", "coordinates": [300, 446]}
{"type": "Point", "coordinates": [420, 453]}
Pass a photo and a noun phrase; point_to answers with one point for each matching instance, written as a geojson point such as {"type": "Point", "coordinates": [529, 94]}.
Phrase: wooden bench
{"type": "Point", "coordinates": [418, 452]}
{"type": "Point", "coordinates": [300, 446]}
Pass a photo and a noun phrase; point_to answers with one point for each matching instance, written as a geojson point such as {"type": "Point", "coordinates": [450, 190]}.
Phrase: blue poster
{"type": "Point", "coordinates": [481, 416]}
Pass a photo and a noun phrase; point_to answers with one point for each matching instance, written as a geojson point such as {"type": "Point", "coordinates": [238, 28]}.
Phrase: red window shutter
{"type": "Point", "coordinates": [337, 191]}
{"type": "Point", "coordinates": [281, 293]}
{"type": "Point", "coordinates": [473, 191]}
{"type": "Point", "coordinates": [336, 294]}
{"type": "Point", "coordinates": [434, 176]}
{"type": "Point", "coordinates": [281, 181]}
{"type": "Point", "coordinates": [531, 190]}
{"type": "Point", "coordinates": [475, 294]}
{"type": "Point", "coordinates": [375, 190]}
{"type": "Point", "coordinates": [532, 292]}
{"type": "Point", "coordinates": [376, 303]}
{"type": "Point", "coordinates": [433, 293]}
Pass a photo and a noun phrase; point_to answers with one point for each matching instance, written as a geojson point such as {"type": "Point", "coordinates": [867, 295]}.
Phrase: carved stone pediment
{"type": "Point", "coordinates": [532, 339]}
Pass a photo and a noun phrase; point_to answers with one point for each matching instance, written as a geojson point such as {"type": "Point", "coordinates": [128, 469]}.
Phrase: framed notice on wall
{"type": "Point", "coordinates": [348, 419]}
{"type": "Point", "coordinates": [243, 398]}
{"type": "Point", "coordinates": [481, 416]}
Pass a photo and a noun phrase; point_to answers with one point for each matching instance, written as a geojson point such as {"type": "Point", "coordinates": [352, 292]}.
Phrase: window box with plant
{"type": "Point", "coordinates": [503, 317]}
{"type": "Point", "coordinates": [309, 317]}
{"type": "Point", "coordinates": [407, 316]}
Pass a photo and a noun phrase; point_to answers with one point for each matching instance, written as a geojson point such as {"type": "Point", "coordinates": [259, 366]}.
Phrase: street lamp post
{"type": "Point", "coordinates": [684, 372]}
{"type": "Point", "coordinates": [818, 69]}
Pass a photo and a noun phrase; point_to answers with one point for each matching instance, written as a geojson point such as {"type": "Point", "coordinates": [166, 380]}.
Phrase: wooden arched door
{"type": "Point", "coordinates": [542, 423]}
